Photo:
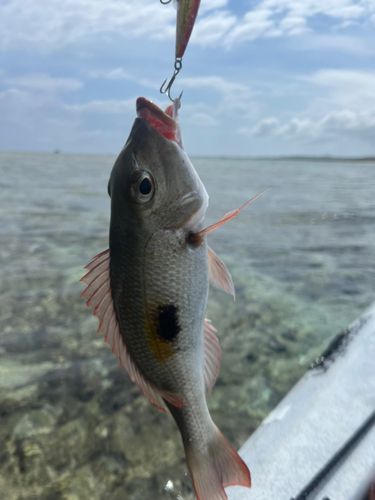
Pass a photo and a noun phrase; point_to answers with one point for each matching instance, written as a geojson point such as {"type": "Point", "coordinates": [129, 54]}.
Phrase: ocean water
{"type": "Point", "coordinates": [72, 426]}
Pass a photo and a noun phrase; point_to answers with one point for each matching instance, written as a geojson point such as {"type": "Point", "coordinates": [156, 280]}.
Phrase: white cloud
{"type": "Point", "coordinates": [339, 43]}
{"type": "Point", "coordinates": [50, 25]}
{"type": "Point", "coordinates": [345, 109]}
{"type": "Point", "coordinates": [228, 89]}
{"type": "Point", "coordinates": [339, 9]}
{"type": "Point", "coordinates": [26, 114]}
{"type": "Point", "coordinates": [207, 5]}
{"type": "Point", "coordinates": [231, 97]}
{"type": "Point", "coordinates": [34, 116]}
{"type": "Point", "coordinates": [16, 100]}
{"type": "Point", "coordinates": [235, 98]}
{"type": "Point", "coordinates": [272, 18]}
{"type": "Point", "coordinates": [211, 29]}
{"type": "Point", "coordinates": [348, 122]}
{"type": "Point", "coordinates": [227, 98]}
{"type": "Point", "coordinates": [31, 107]}
{"type": "Point", "coordinates": [294, 127]}
{"type": "Point", "coordinates": [293, 25]}
{"type": "Point", "coordinates": [348, 79]}
{"type": "Point", "coordinates": [202, 120]}
{"type": "Point", "coordinates": [33, 98]}
{"type": "Point", "coordinates": [110, 106]}
{"type": "Point", "coordinates": [44, 83]}
{"type": "Point", "coordinates": [112, 74]}
{"type": "Point", "coordinates": [265, 127]}
{"type": "Point", "coordinates": [120, 74]}
{"type": "Point", "coordinates": [167, 33]}
{"type": "Point", "coordinates": [217, 83]}
{"type": "Point", "coordinates": [346, 88]}
{"type": "Point", "coordinates": [255, 24]}
{"type": "Point", "coordinates": [333, 125]}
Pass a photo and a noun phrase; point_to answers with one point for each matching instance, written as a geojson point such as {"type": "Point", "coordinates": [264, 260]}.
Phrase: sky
{"type": "Point", "coordinates": [260, 78]}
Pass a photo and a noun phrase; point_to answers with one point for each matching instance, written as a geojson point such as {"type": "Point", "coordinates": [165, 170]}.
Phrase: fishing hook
{"type": "Point", "coordinates": [167, 89]}
{"type": "Point", "coordinates": [165, 3]}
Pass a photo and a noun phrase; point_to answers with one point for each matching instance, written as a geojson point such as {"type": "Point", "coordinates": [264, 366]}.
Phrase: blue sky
{"type": "Point", "coordinates": [262, 77]}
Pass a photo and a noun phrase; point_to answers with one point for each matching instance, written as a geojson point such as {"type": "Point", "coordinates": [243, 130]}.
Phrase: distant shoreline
{"type": "Point", "coordinates": [324, 159]}
{"type": "Point", "coordinates": [370, 160]}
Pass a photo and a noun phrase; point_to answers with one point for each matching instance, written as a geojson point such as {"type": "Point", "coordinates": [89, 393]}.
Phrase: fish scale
{"type": "Point", "coordinates": [171, 279]}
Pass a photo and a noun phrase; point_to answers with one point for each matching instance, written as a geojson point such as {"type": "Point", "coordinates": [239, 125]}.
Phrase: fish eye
{"type": "Point", "coordinates": [143, 187]}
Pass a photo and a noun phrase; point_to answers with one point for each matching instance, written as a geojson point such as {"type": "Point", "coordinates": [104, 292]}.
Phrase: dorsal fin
{"type": "Point", "coordinates": [219, 275]}
{"type": "Point", "coordinates": [212, 356]}
{"type": "Point", "coordinates": [99, 297]}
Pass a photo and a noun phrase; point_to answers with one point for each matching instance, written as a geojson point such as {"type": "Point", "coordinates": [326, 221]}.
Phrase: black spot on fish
{"type": "Point", "coordinates": [168, 327]}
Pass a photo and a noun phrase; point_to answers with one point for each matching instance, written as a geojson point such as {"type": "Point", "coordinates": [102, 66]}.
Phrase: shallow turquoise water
{"type": "Point", "coordinates": [72, 426]}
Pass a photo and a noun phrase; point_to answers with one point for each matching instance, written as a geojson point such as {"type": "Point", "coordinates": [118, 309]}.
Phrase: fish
{"type": "Point", "coordinates": [150, 288]}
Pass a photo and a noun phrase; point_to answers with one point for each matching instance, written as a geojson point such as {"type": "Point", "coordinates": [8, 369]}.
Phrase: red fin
{"type": "Point", "coordinates": [172, 397]}
{"type": "Point", "coordinates": [219, 468]}
{"type": "Point", "coordinates": [219, 275]}
{"type": "Point", "coordinates": [196, 239]}
{"type": "Point", "coordinates": [212, 357]}
{"type": "Point", "coordinates": [98, 258]}
{"type": "Point", "coordinates": [99, 297]}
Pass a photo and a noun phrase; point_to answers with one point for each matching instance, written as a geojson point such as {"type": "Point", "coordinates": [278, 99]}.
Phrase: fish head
{"type": "Point", "coordinates": [153, 183]}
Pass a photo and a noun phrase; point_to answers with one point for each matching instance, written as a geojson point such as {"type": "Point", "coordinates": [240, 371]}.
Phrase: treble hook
{"type": "Point", "coordinates": [177, 68]}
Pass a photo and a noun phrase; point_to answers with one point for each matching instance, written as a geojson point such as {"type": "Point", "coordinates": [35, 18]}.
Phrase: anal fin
{"type": "Point", "coordinates": [212, 357]}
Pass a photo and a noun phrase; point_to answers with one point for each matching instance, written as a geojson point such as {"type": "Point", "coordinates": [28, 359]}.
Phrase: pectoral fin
{"type": "Point", "coordinates": [99, 297]}
{"type": "Point", "coordinates": [218, 273]}
{"type": "Point", "coordinates": [196, 239]}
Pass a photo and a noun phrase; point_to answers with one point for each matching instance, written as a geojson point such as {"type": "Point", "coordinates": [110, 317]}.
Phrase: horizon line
{"type": "Point", "coordinates": [294, 157]}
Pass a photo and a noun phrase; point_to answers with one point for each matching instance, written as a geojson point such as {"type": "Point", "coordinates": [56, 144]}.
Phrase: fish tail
{"type": "Point", "coordinates": [216, 468]}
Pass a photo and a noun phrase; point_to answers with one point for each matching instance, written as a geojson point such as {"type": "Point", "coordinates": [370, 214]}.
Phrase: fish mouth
{"type": "Point", "coordinates": [162, 121]}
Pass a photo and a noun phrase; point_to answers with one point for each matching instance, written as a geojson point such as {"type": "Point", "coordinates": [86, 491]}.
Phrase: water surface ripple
{"type": "Point", "coordinates": [72, 426]}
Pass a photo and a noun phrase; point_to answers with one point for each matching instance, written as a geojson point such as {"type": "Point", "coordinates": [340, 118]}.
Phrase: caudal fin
{"type": "Point", "coordinates": [219, 467]}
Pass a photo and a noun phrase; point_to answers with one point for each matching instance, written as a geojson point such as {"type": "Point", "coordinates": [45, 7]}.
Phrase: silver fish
{"type": "Point", "coordinates": [149, 290]}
